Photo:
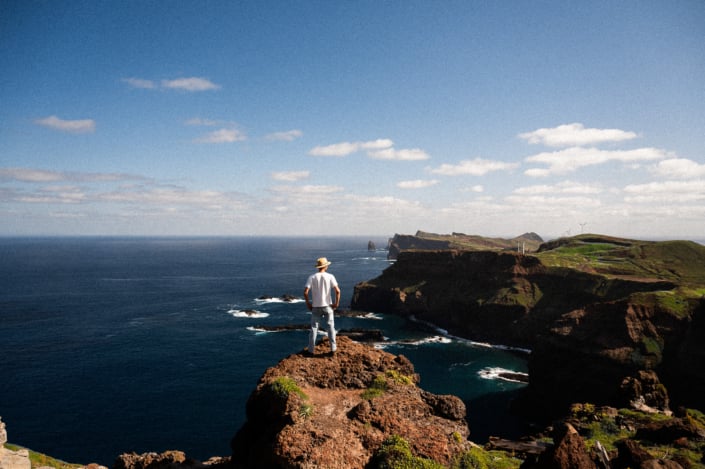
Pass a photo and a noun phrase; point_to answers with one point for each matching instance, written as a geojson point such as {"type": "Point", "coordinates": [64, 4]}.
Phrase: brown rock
{"type": "Point", "coordinates": [630, 454]}
{"type": "Point", "coordinates": [166, 460]}
{"type": "Point", "coordinates": [326, 421]}
{"type": "Point", "coordinates": [569, 451]}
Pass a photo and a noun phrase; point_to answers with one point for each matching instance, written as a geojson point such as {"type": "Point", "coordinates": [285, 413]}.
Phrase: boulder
{"type": "Point", "coordinates": [568, 452]}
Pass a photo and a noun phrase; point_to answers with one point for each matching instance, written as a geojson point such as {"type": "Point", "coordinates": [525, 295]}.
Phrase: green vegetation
{"type": "Point", "coordinates": [382, 382]}
{"type": "Point", "coordinates": [395, 453]}
{"type": "Point", "coordinates": [283, 386]}
{"type": "Point", "coordinates": [678, 302]}
{"type": "Point", "coordinates": [597, 424]}
{"type": "Point", "coordinates": [306, 410]}
{"type": "Point", "coordinates": [606, 431]}
{"type": "Point", "coordinates": [399, 378]}
{"type": "Point", "coordinates": [695, 417]}
{"type": "Point", "coordinates": [478, 458]}
{"type": "Point", "coordinates": [376, 389]}
{"type": "Point", "coordinates": [42, 460]}
{"type": "Point", "coordinates": [678, 261]}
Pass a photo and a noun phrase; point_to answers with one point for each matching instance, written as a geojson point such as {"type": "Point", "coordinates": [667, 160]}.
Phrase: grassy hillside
{"type": "Point", "coordinates": [682, 262]}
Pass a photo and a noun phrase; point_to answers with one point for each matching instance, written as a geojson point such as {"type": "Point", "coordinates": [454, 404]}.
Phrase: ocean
{"type": "Point", "coordinates": [111, 345]}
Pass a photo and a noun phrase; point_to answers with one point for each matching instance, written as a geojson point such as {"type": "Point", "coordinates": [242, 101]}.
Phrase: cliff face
{"type": "Point", "coordinates": [611, 339]}
{"type": "Point", "coordinates": [335, 411]}
{"type": "Point", "coordinates": [423, 241]}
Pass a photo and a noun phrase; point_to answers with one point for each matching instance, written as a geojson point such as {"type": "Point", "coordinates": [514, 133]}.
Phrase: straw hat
{"type": "Point", "coordinates": [322, 262]}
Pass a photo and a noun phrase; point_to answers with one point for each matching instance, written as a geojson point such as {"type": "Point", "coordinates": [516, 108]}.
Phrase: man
{"type": "Point", "coordinates": [319, 286]}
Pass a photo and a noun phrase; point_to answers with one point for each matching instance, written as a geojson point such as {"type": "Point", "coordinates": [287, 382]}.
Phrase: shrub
{"type": "Point", "coordinates": [376, 389]}
{"type": "Point", "coordinates": [395, 453]}
{"type": "Point", "coordinates": [478, 458]}
{"type": "Point", "coordinates": [400, 378]}
{"type": "Point", "coordinates": [283, 386]}
{"type": "Point", "coordinates": [306, 410]}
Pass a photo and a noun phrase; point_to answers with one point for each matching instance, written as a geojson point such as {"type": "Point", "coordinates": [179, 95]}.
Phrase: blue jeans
{"type": "Point", "coordinates": [322, 316]}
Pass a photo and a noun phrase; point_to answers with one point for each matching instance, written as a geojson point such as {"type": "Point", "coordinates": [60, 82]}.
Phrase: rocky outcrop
{"type": "Point", "coordinates": [624, 327]}
{"type": "Point", "coordinates": [12, 459]}
{"type": "Point", "coordinates": [167, 460]}
{"type": "Point", "coordinates": [568, 451]}
{"type": "Point", "coordinates": [336, 410]}
{"type": "Point", "coordinates": [424, 241]}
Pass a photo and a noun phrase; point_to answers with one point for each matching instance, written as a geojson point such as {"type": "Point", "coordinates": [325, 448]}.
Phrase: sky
{"type": "Point", "coordinates": [323, 118]}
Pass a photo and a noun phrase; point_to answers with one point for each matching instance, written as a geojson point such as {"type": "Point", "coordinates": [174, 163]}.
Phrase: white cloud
{"type": "Point", "coordinates": [476, 167]}
{"type": "Point", "coordinates": [376, 144]}
{"type": "Point", "coordinates": [575, 134]}
{"type": "Point", "coordinates": [679, 168]}
{"type": "Point", "coordinates": [140, 83]}
{"type": "Point", "coordinates": [558, 205]}
{"type": "Point", "coordinates": [222, 136]}
{"type": "Point", "coordinates": [197, 121]}
{"type": "Point", "coordinates": [40, 175]}
{"type": "Point", "coordinates": [571, 159]}
{"type": "Point", "coordinates": [172, 197]}
{"type": "Point", "coordinates": [417, 184]}
{"type": "Point", "coordinates": [380, 149]}
{"type": "Point", "coordinates": [565, 187]}
{"type": "Point", "coordinates": [290, 176]}
{"type": "Point", "coordinates": [307, 189]}
{"type": "Point", "coordinates": [29, 175]}
{"type": "Point", "coordinates": [382, 209]}
{"type": "Point", "coordinates": [413, 154]}
{"type": "Point", "coordinates": [49, 195]}
{"type": "Point", "coordinates": [190, 84]}
{"type": "Point", "coordinates": [347, 148]}
{"type": "Point", "coordinates": [286, 136]}
{"type": "Point", "coordinates": [666, 192]}
{"type": "Point", "coordinates": [71, 126]}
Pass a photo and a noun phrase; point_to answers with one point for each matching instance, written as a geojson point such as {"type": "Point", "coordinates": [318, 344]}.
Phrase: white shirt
{"type": "Point", "coordinates": [320, 285]}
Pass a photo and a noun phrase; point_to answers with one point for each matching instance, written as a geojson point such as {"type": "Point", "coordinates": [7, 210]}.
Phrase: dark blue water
{"type": "Point", "coordinates": [110, 345]}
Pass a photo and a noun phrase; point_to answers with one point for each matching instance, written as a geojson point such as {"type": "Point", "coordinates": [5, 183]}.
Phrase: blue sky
{"type": "Point", "coordinates": [352, 118]}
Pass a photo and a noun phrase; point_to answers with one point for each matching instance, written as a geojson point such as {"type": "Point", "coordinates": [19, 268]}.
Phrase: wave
{"type": "Point", "coordinates": [247, 313]}
{"type": "Point", "coordinates": [503, 374]}
{"type": "Point", "coordinates": [370, 316]}
{"type": "Point", "coordinates": [372, 258]}
{"type": "Point", "coordinates": [259, 330]}
{"type": "Point", "coordinates": [436, 339]}
{"type": "Point", "coordinates": [472, 343]}
{"type": "Point", "coordinates": [278, 300]}
{"type": "Point", "coordinates": [430, 325]}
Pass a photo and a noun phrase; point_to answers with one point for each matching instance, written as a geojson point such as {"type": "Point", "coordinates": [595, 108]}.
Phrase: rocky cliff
{"type": "Point", "coordinates": [339, 411]}
{"type": "Point", "coordinates": [363, 408]}
{"type": "Point", "coordinates": [424, 241]}
{"type": "Point", "coordinates": [610, 321]}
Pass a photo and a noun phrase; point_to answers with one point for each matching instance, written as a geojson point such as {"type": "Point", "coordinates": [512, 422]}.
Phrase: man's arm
{"type": "Point", "coordinates": [337, 297]}
{"type": "Point", "coordinates": [308, 302]}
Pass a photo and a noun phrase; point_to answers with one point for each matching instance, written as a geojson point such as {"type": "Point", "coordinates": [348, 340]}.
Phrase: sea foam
{"type": "Point", "coordinates": [503, 374]}
{"type": "Point", "coordinates": [240, 313]}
